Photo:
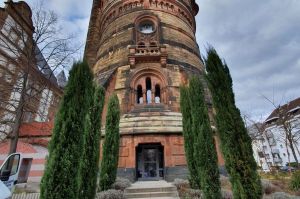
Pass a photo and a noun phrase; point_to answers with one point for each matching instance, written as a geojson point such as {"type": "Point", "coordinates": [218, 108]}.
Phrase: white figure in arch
{"type": "Point", "coordinates": [141, 100]}
{"type": "Point", "coordinates": [157, 100]}
{"type": "Point", "coordinates": [149, 96]}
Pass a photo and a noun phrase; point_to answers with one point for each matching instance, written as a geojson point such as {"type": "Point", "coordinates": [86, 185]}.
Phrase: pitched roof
{"type": "Point", "coordinates": [293, 105]}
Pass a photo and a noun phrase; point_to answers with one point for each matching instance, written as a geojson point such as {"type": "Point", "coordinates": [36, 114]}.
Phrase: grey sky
{"type": "Point", "coordinates": [260, 41]}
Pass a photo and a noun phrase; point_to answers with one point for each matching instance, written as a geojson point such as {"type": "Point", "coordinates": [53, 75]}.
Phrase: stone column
{"type": "Point", "coordinates": [153, 96]}
{"type": "Point", "coordinates": [145, 96]}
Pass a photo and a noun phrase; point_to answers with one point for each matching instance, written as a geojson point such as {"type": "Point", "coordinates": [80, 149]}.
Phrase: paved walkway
{"type": "Point", "coordinates": [140, 189]}
{"type": "Point", "coordinates": [152, 189]}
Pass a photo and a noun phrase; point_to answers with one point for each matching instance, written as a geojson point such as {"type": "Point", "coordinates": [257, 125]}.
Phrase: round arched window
{"type": "Point", "coordinates": [146, 27]}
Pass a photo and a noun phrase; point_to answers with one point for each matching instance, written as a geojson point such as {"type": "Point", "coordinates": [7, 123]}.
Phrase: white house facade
{"type": "Point", "coordinates": [272, 148]}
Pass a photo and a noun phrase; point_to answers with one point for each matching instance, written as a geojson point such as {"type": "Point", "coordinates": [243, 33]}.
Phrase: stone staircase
{"type": "Point", "coordinates": [149, 108]}
{"type": "Point", "coordinates": [152, 189]}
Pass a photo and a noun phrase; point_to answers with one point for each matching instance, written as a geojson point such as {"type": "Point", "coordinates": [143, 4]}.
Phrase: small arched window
{"type": "Point", "coordinates": [149, 90]}
{"type": "Point", "coordinates": [157, 94]}
{"type": "Point", "coordinates": [139, 95]}
{"type": "Point", "coordinates": [153, 44]}
{"type": "Point", "coordinates": [141, 45]}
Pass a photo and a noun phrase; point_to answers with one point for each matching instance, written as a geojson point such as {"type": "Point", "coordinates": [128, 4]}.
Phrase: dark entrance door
{"type": "Point", "coordinates": [150, 162]}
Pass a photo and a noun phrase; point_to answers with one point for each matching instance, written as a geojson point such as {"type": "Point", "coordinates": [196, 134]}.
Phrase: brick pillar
{"type": "Point", "coordinates": [145, 96]}
{"type": "Point", "coordinates": [153, 96]}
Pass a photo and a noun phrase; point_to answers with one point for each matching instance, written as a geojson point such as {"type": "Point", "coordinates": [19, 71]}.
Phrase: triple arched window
{"type": "Point", "coordinates": [150, 93]}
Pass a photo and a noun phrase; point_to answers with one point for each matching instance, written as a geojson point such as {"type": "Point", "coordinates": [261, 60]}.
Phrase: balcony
{"type": "Point", "coordinates": [272, 142]}
{"type": "Point", "coordinates": [269, 134]}
{"type": "Point", "coordinates": [276, 151]}
{"type": "Point", "coordinates": [277, 160]}
{"type": "Point", "coordinates": [147, 54]}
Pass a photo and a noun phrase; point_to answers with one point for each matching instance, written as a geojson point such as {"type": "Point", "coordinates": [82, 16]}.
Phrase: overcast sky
{"type": "Point", "coordinates": [260, 41]}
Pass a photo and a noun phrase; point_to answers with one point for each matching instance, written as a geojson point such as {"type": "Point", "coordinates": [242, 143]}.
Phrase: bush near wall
{"type": "Point", "coordinates": [295, 181]}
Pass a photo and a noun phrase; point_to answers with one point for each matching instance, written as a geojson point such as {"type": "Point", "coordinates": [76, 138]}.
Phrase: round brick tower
{"type": "Point", "coordinates": [143, 50]}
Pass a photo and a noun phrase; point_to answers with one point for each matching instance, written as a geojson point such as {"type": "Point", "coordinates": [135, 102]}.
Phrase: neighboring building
{"type": "Point", "coordinates": [271, 149]}
{"type": "Point", "coordinates": [43, 90]}
{"type": "Point", "coordinates": [143, 50]}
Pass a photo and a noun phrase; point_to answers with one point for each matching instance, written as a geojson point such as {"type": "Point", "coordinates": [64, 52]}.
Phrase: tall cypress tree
{"type": "Point", "coordinates": [204, 148]}
{"type": "Point", "coordinates": [61, 177]}
{"type": "Point", "coordinates": [91, 149]}
{"type": "Point", "coordinates": [110, 152]}
{"type": "Point", "coordinates": [235, 141]}
{"type": "Point", "coordinates": [185, 108]}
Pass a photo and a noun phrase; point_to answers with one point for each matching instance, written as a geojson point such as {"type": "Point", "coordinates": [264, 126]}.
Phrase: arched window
{"type": "Point", "coordinates": [148, 90]}
{"type": "Point", "coordinates": [153, 44]}
{"type": "Point", "coordinates": [157, 94]}
{"type": "Point", "coordinates": [139, 96]}
{"type": "Point", "coordinates": [141, 45]}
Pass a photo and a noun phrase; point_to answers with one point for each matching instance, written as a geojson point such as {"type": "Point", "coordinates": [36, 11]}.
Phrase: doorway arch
{"type": "Point", "coordinates": [150, 161]}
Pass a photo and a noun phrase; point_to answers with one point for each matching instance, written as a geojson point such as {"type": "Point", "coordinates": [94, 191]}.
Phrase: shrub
{"type": "Point", "coordinates": [225, 183]}
{"type": "Point", "coordinates": [235, 141]}
{"type": "Point", "coordinates": [181, 184]}
{"type": "Point", "coordinates": [205, 154]}
{"type": "Point", "coordinates": [185, 107]}
{"type": "Point", "coordinates": [226, 194]}
{"type": "Point", "coordinates": [90, 156]}
{"type": "Point", "coordinates": [121, 184]}
{"type": "Point", "coordinates": [295, 181]}
{"type": "Point", "coordinates": [62, 173]}
{"type": "Point", "coordinates": [293, 164]}
{"type": "Point", "coordinates": [195, 194]}
{"type": "Point", "coordinates": [268, 187]}
{"type": "Point", "coordinates": [111, 194]}
{"type": "Point", "coordinates": [280, 195]}
{"type": "Point", "coordinates": [110, 152]}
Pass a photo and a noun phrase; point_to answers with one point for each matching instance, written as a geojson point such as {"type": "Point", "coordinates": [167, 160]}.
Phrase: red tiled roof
{"type": "Point", "coordinates": [36, 129]}
{"type": "Point", "coordinates": [22, 148]}
{"type": "Point", "coordinates": [286, 107]}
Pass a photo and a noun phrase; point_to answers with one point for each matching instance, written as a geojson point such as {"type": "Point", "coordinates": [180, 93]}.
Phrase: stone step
{"type": "Point", "coordinates": [161, 198]}
{"type": "Point", "coordinates": [152, 123]}
{"type": "Point", "coordinates": [151, 189]}
{"type": "Point", "coordinates": [172, 114]}
{"type": "Point", "coordinates": [143, 110]}
{"type": "Point", "coordinates": [151, 194]}
{"type": "Point", "coordinates": [152, 118]}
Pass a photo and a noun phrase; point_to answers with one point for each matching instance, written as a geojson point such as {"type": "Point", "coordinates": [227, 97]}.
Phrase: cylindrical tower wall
{"type": "Point", "coordinates": [143, 50]}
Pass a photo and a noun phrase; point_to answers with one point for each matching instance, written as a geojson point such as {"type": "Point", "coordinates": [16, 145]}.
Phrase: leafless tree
{"type": "Point", "coordinates": [28, 50]}
{"type": "Point", "coordinates": [288, 125]}
{"type": "Point", "coordinates": [256, 130]}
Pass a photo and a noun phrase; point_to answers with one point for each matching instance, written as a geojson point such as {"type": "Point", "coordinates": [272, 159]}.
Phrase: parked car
{"type": "Point", "coordinates": [9, 172]}
{"type": "Point", "coordinates": [4, 191]}
{"type": "Point", "coordinates": [287, 169]}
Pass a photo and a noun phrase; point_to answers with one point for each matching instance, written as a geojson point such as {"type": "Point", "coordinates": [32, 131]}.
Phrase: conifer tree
{"type": "Point", "coordinates": [235, 141]}
{"type": "Point", "coordinates": [110, 152]}
{"type": "Point", "coordinates": [61, 178]}
{"type": "Point", "coordinates": [91, 149]}
{"type": "Point", "coordinates": [204, 148]}
{"type": "Point", "coordinates": [185, 108]}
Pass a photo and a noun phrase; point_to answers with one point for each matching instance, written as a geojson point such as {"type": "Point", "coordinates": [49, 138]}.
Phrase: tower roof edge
{"type": "Point", "coordinates": [90, 45]}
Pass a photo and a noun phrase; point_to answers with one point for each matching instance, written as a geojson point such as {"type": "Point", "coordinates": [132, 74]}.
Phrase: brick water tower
{"type": "Point", "coordinates": [143, 50]}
